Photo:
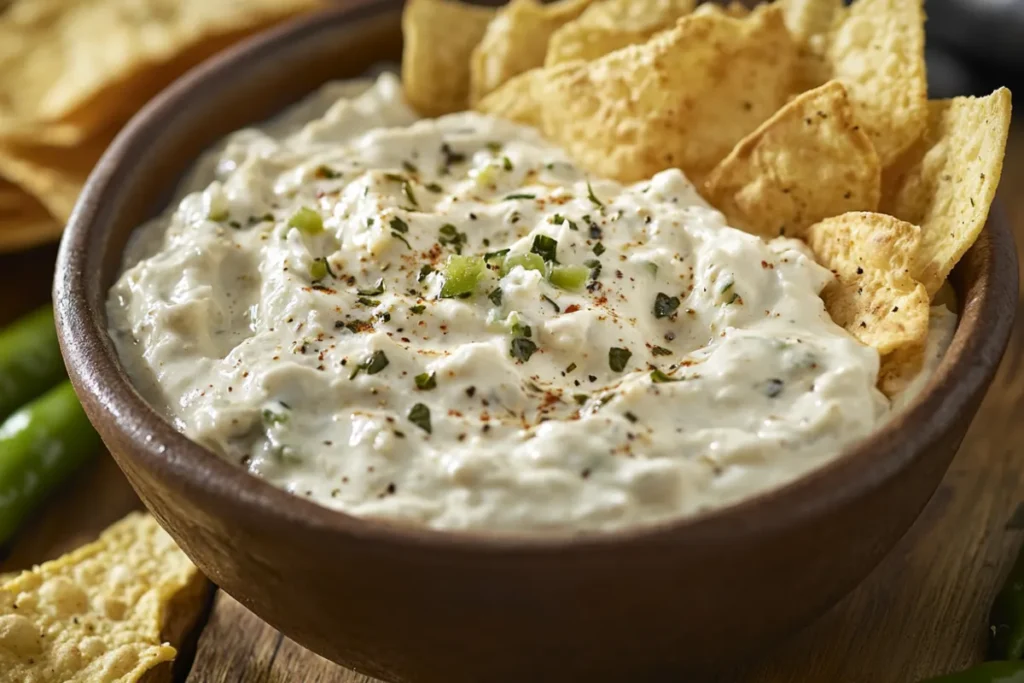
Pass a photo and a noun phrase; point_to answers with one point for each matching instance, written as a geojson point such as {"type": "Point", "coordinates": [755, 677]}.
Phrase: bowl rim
{"type": "Point", "coordinates": [982, 333]}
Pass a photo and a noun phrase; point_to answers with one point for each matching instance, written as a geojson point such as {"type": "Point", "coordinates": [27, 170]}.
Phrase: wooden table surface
{"type": "Point", "coordinates": [922, 612]}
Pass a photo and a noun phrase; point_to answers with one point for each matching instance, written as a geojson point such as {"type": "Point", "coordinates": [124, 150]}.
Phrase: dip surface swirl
{"type": "Point", "coordinates": [332, 307]}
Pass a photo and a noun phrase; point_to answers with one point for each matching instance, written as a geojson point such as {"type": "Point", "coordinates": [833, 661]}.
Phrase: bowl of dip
{"type": "Point", "coordinates": [423, 483]}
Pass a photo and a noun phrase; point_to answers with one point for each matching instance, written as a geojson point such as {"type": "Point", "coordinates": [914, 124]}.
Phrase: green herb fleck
{"type": "Point", "coordinates": [651, 267]}
{"type": "Point", "coordinates": [618, 358]}
{"type": "Point", "coordinates": [558, 219]}
{"type": "Point", "coordinates": [398, 225]}
{"type": "Point", "coordinates": [372, 365]}
{"type": "Point", "coordinates": [319, 269]}
{"type": "Point", "coordinates": [434, 187]}
{"type": "Point", "coordinates": [522, 348]}
{"type": "Point", "coordinates": [665, 305]}
{"type": "Point", "coordinates": [546, 247]}
{"type": "Point", "coordinates": [554, 304]}
{"type": "Point", "coordinates": [593, 197]}
{"type": "Point", "coordinates": [449, 236]}
{"type": "Point", "coordinates": [377, 289]}
{"type": "Point", "coordinates": [599, 249]}
{"type": "Point", "coordinates": [660, 351]}
{"type": "Point", "coordinates": [494, 146]}
{"type": "Point", "coordinates": [366, 301]}
{"type": "Point", "coordinates": [419, 415]}
{"type": "Point", "coordinates": [424, 272]}
{"type": "Point", "coordinates": [425, 381]}
{"type": "Point", "coordinates": [326, 172]}
{"type": "Point", "coordinates": [273, 417]}
{"type": "Point", "coordinates": [520, 195]}
{"type": "Point", "coordinates": [495, 296]}
{"type": "Point", "coordinates": [494, 255]}
{"type": "Point", "coordinates": [595, 268]}
{"type": "Point", "coordinates": [580, 398]}
{"type": "Point", "coordinates": [506, 163]}
{"type": "Point", "coordinates": [409, 166]}
{"type": "Point", "coordinates": [659, 377]}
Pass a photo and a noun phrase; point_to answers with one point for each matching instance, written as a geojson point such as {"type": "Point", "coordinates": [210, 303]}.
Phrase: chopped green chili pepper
{"type": "Point", "coordinates": [526, 261]}
{"type": "Point", "coordinates": [461, 275]}
{"type": "Point", "coordinates": [570, 277]}
{"type": "Point", "coordinates": [318, 269]}
{"type": "Point", "coordinates": [307, 221]}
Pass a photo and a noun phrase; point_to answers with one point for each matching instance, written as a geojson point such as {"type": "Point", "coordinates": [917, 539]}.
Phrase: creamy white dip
{"type": "Point", "coordinates": [694, 367]}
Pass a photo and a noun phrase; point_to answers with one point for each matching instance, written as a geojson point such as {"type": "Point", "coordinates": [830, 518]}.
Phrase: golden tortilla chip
{"type": "Point", "coordinates": [102, 613]}
{"type": "Point", "coordinates": [736, 9]}
{"type": "Point", "coordinates": [515, 100]}
{"type": "Point", "coordinates": [611, 25]}
{"type": "Point", "coordinates": [53, 175]}
{"type": "Point", "coordinates": [808, 162]}
{"type": "Point", "coordinates": [876, 48]}
{"type": "Point", "coordinates": [946, 182]}
{"type": "Point", "coordinates": [682, 99]}
{"type": "Point", "coordinates": [68, 69]}
{"type": "Point", "coordinates": [516, 41]}
{"type": "Point", "coordinates": [439, 39]}
{"type": "Point", "coordinates": [24, 222]}
{"type": "Point", "coordinates": [875, 296]}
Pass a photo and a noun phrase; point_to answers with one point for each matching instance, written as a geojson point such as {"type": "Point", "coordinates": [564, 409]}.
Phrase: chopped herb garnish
{"type": "Point", "coordinates": [651, 267]}
{"type": "Point", "coordinates": [593, 197]}
{"type": "Point", "coordinates": [665, 305]}
{"type": "Point", "coordinates": [580, 398]}
{"type": "Point", "coordinates": [417, 309]}
{"type": "Point", "coordinates": [461, 275]}
{"type": "Point", "coordinates": [599, 249]}
{"type": "Point", "coordinates": [424, 272]}
{"type": "Point", "coordinates": [595, 268]}
{"type": "Point", "coordinates": [659, 377]}
{"type": "Point", "coordinates": [630, 416]}
{"type": "Point", "coordinates": [407, 191]}
{"type": "Point", "coordinates": [273, 417]}
{"type": "Point", "coordinates": [521, 195]}
{"type": "Point", "coordinates": [660, 351]}
{"type": "Point", "coordinates": [398, 225]}
{"type": "Point", "coordinates": [400, 237]}
{"type": "Point", "coordinates": [728, 285]}
{"type": "Point", "coordinates": [409, 166]}
{"type": "Point", "coordinates": [307, 221]}
{"type": "Point", "coordinates": [494, 255]}
{"type": "Point", "coordinates": [235, 224]}
{"type": "Point", "coordinates": [377, 289]}
{"type": "Point", "coordinates": [733, 298]}
{"type": "Point", "coordinates": [558, 219]}
{"type": "Point", "coordinates": [419, 415]}
{"type": "Point", "coordinates": [493, 146]}
{"type": "Point", "coordinates": [572, 366]}
{"type": "Point", "coordinates": [618, 358]}
{"type": "Point", "coordinates": [522, 348]}
{"type": "Point", "coordinates": [449, 236]}
{"type": "Point", "coordinates": [519, 330]}
{"type": "Point", "coordinates": [366, 301]}
{"type": "Point", "coordinates": [372, 365]}
{"type": "Point", "coordinates": [265, 218]}
{"type": "Point", "coordinates": [558, 309]}
{"type": "Point", "coordinates": [546, 247]}
{"type": "Point", "coordinates": [495, 296]}
{"type": "Point", "coordinates": [434, 187]}
{"type": "Point", "coordinates": [573, 226]}
{"type": "Point", "coordinates": [426, 382]}
{"type": "Point", "coordinates": [451, 156]}
{"type": "Point", "coordinates": [506, 163]}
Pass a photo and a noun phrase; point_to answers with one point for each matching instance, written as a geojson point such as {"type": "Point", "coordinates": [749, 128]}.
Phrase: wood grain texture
{"type": "Point", "coordinates": [922, 612]}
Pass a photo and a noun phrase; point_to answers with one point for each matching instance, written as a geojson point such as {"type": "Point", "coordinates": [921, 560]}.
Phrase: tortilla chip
{"type": "Point", "coordinates": [899, 369]}
{"type": "Point", "coordinates": [875, 296]}
{"type": "Point", "coordinates": [946, 182]}
{"type": "Point", "coordinates": [24, 223]}
{"type": "Point", "coordinates": [103, 612]}
{"type": "Point", "coordinates": [439, 39]}
{"type": "Point", "coordinates": [806, 163]}
{"type": "Point", "coordinates": [612, 25]}
{"type": "Point", "coordinates": [736, 9]}
{"type": "Point", "coordinates": [54, 175]}
{"type": "Point", "coordinates": [682, 99]}
{"type": "Point", "coordinates": [516, 41]}
{"type": "Point", "coordinates": [10, 197]}
{"type": "Point", "coordinates": [59, 84]}
{"type": "Point", "coordinates": [876, 48]}
{"type": "Point", "coordinates": [515, 100]}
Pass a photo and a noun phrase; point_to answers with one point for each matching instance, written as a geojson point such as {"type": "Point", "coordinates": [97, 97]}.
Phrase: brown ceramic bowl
{"type": "Point", "coordinates": [409, 604]}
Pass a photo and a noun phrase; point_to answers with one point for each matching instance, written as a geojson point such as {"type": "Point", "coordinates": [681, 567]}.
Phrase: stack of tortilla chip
{"type": "Point", "coordinates": [71, 75]}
